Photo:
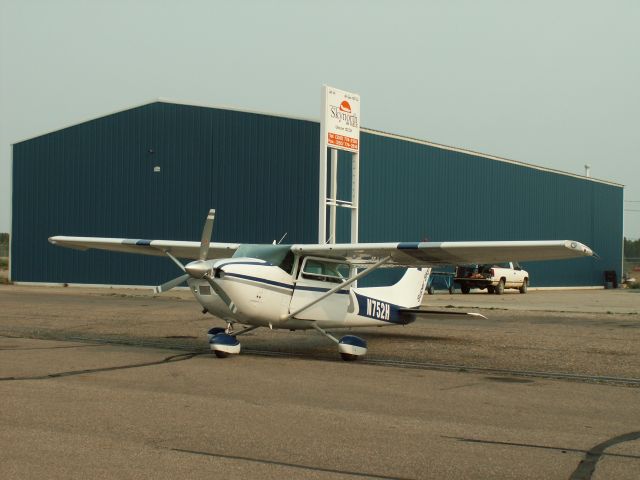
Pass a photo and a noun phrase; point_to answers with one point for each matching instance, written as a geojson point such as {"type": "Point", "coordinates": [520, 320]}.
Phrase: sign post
{"type": "Point", "coordinates": [339, 130]}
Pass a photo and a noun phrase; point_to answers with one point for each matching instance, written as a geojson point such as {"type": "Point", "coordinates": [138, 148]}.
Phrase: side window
{"type": "Point", "coordinates": [325, 271]}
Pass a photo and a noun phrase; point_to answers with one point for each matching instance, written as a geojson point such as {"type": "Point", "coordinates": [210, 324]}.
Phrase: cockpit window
{"type": "Point", "coordinates": [280, 255]}
{"type": "Point", "coordinates": [325, 271]}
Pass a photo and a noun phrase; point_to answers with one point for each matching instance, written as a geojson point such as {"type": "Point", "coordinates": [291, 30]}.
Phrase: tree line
{"type": "Point", "coordinates": [631, 248]}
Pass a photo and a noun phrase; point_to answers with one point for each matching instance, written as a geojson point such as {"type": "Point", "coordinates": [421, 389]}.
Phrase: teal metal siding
{"type": "Point", "coordinates": [97, 179]}
{"type": "Point", "coordinates": [413, 191]}
{"type": "Point", "coordinates": [260, 173]}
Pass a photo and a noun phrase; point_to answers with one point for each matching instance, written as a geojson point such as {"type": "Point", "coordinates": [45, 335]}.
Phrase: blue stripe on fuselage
{"type": "Point", "coordinates": [282, 285]}
{"type": "Point", "coordinates": [260, 280]}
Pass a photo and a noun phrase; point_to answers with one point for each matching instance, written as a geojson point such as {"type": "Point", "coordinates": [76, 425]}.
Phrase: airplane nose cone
{"type": "Point", "coordinates": [198, 269]}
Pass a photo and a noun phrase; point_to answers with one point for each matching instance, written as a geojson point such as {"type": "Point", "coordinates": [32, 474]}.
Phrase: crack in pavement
{"type": "Point", "coordinates": [20, 349]}
{"type": "Point", "coordinates": [533, 445]}
{"type": "Point", "coordinates": [171, 359]}
{"type": "Point", "coordinates": [586, 467]}
{"type": "Point", "coordinates": [289, 465]}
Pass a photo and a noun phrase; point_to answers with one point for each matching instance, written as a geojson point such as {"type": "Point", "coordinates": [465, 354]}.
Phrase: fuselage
{"type": "Point", "coordinates": [262, 294]}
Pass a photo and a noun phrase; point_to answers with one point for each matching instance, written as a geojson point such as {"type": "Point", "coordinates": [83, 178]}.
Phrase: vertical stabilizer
{"type": "Point", "coordinates": [407, 292]}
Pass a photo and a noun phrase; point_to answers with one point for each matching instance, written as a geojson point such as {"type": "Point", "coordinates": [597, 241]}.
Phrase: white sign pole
{"type": "Point", "coordinates": [355, 195]}
{"type": "Point", "coordinates": [334, 195]}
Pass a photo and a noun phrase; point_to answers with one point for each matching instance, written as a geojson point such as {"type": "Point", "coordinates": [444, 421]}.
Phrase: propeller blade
{"type": "Point", "coordinates": [206, 234]}
{"type": "Point", "coordinates": [171, 283]}
{"type": "Point", "coordinates": [175, 260]}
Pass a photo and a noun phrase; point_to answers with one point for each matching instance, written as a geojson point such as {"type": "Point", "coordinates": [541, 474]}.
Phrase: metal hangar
{"type": "Point", "coordinates": [154, 170]}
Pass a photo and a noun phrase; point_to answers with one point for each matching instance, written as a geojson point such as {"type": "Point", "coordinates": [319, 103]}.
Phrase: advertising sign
{"type": "Point", "coordinates": [342, 119]}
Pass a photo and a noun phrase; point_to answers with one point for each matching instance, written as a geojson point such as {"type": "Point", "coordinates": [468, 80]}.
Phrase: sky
{"type": "Point", "coordinates": [551, 83]}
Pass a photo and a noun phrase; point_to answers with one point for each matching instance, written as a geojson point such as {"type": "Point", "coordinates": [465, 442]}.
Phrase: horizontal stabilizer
{"type": "Point", "coordinates": [438, 313]}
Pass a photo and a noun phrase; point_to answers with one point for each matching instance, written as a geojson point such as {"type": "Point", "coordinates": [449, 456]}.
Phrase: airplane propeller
{"type": "Point", "coordinates": [199, 268]}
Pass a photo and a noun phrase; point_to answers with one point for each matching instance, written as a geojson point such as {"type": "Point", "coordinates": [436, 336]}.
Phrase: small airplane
{"type": "Point", "coordinates": [311, 286]}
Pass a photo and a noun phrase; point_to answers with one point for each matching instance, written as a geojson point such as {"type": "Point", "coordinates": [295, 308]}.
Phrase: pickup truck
{"type": "Point", "coordinates": [494, 277]}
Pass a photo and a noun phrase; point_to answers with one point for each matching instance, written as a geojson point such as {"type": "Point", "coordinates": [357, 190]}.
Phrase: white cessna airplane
{"type": "Point", "coordinates": [311, 286]}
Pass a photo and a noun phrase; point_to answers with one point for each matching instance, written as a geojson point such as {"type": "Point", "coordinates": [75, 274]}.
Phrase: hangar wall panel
{"type": "Point", "coordinates": [260, 173]}
{"type": "Point", "coordinates": [97, 179]}
{"type": "Point", "coordinates": [420, 192]}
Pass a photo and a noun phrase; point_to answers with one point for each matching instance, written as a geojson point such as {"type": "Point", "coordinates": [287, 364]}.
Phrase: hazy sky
{"type": "Point", "coordinates": [553, 83]}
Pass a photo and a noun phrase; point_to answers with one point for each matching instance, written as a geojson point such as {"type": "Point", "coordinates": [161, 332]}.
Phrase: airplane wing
{"type": "Point", "coordinates": [424, 254]}
{"type": "Point", "coordinates": [407, 254]}
{"type": "Point", "coordinates": [179, 249]}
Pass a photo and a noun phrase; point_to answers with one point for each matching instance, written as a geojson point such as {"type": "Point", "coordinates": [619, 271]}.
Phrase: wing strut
{"type": "Point", "coordinates": [347, 282]}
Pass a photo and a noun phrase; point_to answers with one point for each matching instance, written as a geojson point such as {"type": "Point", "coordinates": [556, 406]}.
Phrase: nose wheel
{"type": "Point", "coordinates": [223, 345]}
{"type": "Point", "coordinates": [223, 341]}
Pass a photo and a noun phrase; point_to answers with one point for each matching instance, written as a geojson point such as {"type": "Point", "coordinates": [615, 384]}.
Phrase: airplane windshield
{"type": "Point", "coordinates": [279, 255]}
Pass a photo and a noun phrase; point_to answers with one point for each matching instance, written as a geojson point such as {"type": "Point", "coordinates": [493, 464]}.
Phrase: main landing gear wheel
{"type": "Point", "coordinates": [352, 347]}
{"type": "Point", "coordinates": [349, 346]}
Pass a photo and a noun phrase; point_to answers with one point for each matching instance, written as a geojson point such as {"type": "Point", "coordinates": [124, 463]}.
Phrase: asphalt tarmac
{"type": "Point", "coordinates": [84, 396]}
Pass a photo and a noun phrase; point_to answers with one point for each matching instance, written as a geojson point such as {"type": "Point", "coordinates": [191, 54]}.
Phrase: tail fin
{"type": "Point", "coordinates": [407, 292]}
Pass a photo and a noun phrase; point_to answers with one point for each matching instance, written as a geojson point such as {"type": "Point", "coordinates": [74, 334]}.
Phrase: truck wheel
{"type": "Point", "coordinates": [525, 285]}
{"type": "Point", "coordinates": [465, 288]}
{"type": "Point", "coordinates": [430, 289]}
{"type": "Point", "coordinates": [491, 289]}
{"type": "Point", "coordinates": [499, 289]}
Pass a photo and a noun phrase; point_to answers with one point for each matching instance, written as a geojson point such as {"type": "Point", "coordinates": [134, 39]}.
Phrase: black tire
{"type": "Point", "coordinates": [491, 289]}
{"type": "Point", "coordinates": [451, 289]}
{"type": "Point", "coordinates": [465, 288]}
{"type": "Point", "coordinates": [347, 357]}
{"type": "Point", "coordinates": [430, 289]}
{"type": "Point", "coordinates": [525, 286]}
{"type": "Point", "coordinates": [499, 289]}
{"type": "Point", "coordinates": [221, 354]}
